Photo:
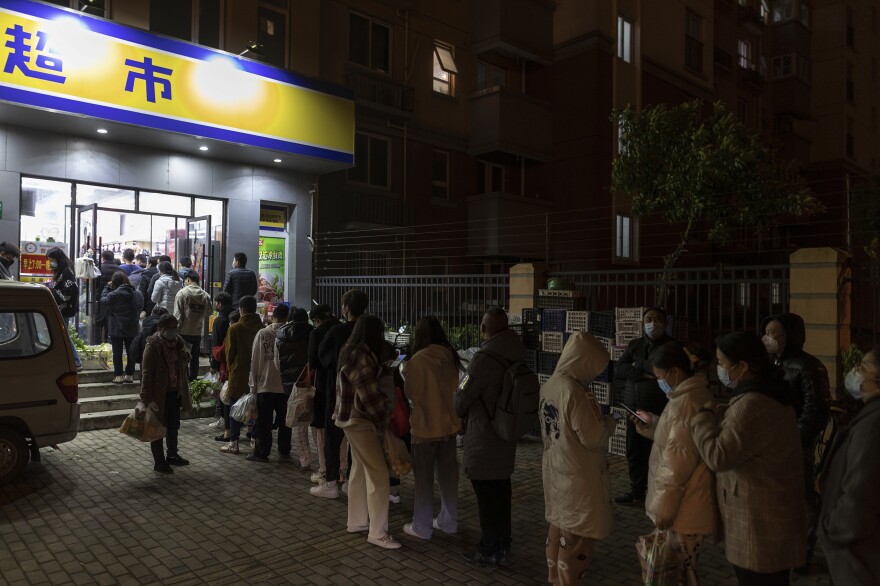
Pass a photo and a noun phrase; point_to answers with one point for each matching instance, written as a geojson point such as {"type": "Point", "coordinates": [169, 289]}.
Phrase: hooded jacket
{"type": "Point", "coordinates": [192, 306]}
{"type": "Point", "coordinates": [323, 385]}
{"type": "Point", "coordinates": [124, 305]}
{"type": "Point", "coordinates": [681, 488]}
{"type": "Point", "coordinates": [144, 286]}
{"type": "Point", "coordinates": [754, 449]}
{"type": "Point", "coordinates": [165, 291]}
{"type": "Point", "coordinates": [219, 331]}
{"type": "Point", "coordinates": [66, 291]}
{"type": "Point", "coordinates": [431, 380]}
{"type": "Point", "coordinates": [577, 482]}
{"type": "Point", "coordinates": [239, 348]}
{"type": "Point", "coordinates": [292, 351]}
{"type": "Point", "coordinates": [641, 392]}
{"type": "Point", "coordinates": [807, 376]}
{"type": "Point", "coordinates": [264, 374]}
{"type": "Point", "coordinates": [487, 456]}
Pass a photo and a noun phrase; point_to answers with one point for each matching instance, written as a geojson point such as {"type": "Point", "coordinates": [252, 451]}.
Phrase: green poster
{"type": "Point", "coordinates": [271, 267]}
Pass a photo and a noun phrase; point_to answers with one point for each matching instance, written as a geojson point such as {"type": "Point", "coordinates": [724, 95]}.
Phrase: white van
{"type": "Point", "coordinates": [38, 380]}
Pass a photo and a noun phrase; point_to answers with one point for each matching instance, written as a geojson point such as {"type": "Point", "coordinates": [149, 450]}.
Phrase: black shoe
{"type": "Point", "coordinates": [248, 435]}
{"type": "Point", "coordinates": [630, 499]}
{"type": "Point", "coordinates": [177, 460]}
{"type": "Point", "coordinates": [284, 456]}
{"type": "Point", "coordinates": [221, 438]}
{"type": "Point", "coordinates": [478, 559]}
{"type": "Point", "coordinates": [164, 468]}
{"type": "Point", "coordinates": [255, 458]}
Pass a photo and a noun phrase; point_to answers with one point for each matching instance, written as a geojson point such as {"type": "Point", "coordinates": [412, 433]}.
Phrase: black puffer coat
{"type": "Point", "coordinates": [66, 291]}
{"type": "Point", "coordinates": [240, 282]}
{"type": "Point", "coordinates": [325, 382]}
{"type": "Point", "coordinates": [640, 391]}
{"type": "Point", "coordinates": [292, 350]}
{"type": "Point", "coordinates": [124, 306]}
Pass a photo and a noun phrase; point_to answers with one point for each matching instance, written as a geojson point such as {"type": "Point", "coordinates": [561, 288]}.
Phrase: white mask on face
{"type": "Point", "coordinates": [654, 330]}
{"type": "Point", "coordinates": [853, 383]}
{"type": "Point", "coordinates": [771, 345]}
{"type": "Point", "coordinates": [724, 377]}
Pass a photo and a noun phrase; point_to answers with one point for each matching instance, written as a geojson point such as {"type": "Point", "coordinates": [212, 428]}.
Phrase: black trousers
{"type": "Point", "coordinates": [172, 423]}
{"type": "Point", "coordinates": [270, 406]}
{"type": "Point", "coordinates": [195, 343]}
{"type": "Point", "coordinates": [746, 577]}
{"type": "Point", "coordinates": [493, 502]}
{"type": "Point", "coordinates": [333, 437]}
{"type": "Point", "coordinates": [638, 453]}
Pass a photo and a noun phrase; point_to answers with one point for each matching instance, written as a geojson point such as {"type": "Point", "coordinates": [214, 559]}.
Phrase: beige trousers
{"type": "Point", "coordinates": [368, 485]}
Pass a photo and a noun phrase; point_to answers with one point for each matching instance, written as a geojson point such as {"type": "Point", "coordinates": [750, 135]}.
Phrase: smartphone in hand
{"type": "Point", "coordinates": [637, 416]}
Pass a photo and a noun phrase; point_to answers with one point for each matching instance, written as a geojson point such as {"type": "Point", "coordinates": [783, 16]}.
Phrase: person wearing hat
{"type": "Point", "coordinates": [9, 252]}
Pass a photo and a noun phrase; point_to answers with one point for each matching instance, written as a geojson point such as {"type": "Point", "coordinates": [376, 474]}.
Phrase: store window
{"type": "Point", "coordinates": [108, 197]}
{"type": "Point", "coordinates": [45, 210]}
{"type": "Point", "coordinates": [371, 155]}
{"type": "Point", "coordinates": [214, 209]}
{"type": "Point", "coordinates": [490, 76]}
{"type": "Point", "coordinates": [623, 236]}
{"type": "Point", "coordinates": [272, 35]}
{"type": "Point", "coordinates": [624, 39]}
{"type": "Point", "coordinates": [164, 203]}
{"type": "Point", "coordinates": [444, 70]}
{"type": "Point", "coordinates": [440, 175]}
{"type": "Point", "coordinates": [369, 43]}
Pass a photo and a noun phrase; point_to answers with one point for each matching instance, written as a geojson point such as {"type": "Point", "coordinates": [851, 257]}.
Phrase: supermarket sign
{"type": "Point", "coordinates": [63, 60]}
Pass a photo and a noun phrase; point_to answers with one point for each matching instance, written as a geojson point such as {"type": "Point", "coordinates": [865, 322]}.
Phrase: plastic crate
{"type": "Point", "coordinates": [553, 320]}
{"type": "Point", "coordinates": [608, 342]}
{"type": "Point", "coordinates": [624, 339]}
{"type": "Point", "coordinates": [532, 359]}
{"type": "Point", "coordinates": [579, 303]}
{"type": "Point", "coordinates": [547, 362]}
{"type": "Point", "coordinates": [531, 337]}
{"type": "Point", "coordinates": [558, 293]}
{"type": "Point", "coordinates": [552, 341]}
{"type": "Point", "coordinates": [630, 328]}
{"type": "Point", "coordinates": [601, 323]}
{"type": "Point", "coordinates": [629, 313]}
{"type": "Point", "coordinates": [531, 316]}
{"type": "Point", "coordinates": [606, 375]}
{"type": "Point", "coordinates": [602, 392]}
{"type": "Point", "coordinates": [617, 351]}
{"type": "Point", "coordinates": [543, 378]}
{"type": "Point", "coordinates": [621, 423]}
{"type": "Point", "coordinates": [617, 445]}
{"type": "Point", "coordinates": [576, 321]}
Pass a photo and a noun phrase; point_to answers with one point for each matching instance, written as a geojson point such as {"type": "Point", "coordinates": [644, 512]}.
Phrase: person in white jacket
{"type": "Point", "coordinates": [167, 287]}
{"type": "Point", "coordinates": [266, 382]}
{"type": "Point", "coordinates": [192, 307]}
{"type": "Point", "coordinates": [577, 484]}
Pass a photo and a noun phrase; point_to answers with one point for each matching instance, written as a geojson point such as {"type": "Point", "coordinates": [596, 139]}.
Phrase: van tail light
{"type": "Point", "coordinates": [69, 385]}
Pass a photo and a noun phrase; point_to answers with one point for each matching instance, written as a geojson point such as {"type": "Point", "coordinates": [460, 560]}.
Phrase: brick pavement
{"type": "Point", "coordinates": [96, 513]}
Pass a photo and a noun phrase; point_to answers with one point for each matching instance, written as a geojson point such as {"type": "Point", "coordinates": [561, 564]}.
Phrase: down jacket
{"type": "Point", "coordinates": [165, 291]}
{"type": "Point", "coordinates": [641, 391]}
{"type": "Point", "coordinates": [239, 345]}
{"type": "Point", "coordinates": [755, 452]}
{"type": "Point", "coordinates": [192, 307]}
{"type": "Point", "coordinates": [487, 456]}
{"type": "Point", "coordinates": [681, 488]}
{"type": "Point", "coordinates": [124, 305]}
{"type": "Point", "coordinates": [292, 352]}
{"type": "Point", "coordinates": [239, 282]}
{"type": "Point", "coordinates": [577, 483]}
{"type": "Point", "coordinates": [264, 374]}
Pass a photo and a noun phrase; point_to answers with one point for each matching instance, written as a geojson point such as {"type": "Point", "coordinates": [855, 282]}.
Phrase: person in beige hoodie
{"type": "Point", "coordinates": [431, 375]}
{"type": "Point", "coordinates": [577, 484]}
{"type": "Point", "coordinates": [681, 488]}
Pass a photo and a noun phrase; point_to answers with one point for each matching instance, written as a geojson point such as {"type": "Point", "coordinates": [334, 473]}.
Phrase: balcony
{"type": "Point", "coordinates": [750, 78]}
{"type": "Point", "coordinates": [515, 28]}
{"type": "Point", "coordinates": [752, 19]}
{"type": "Point", "coordinates": [508, 123]}
{"type": "Point", "coordinates": [723, 61]}
{"type": "Point", "coordinates": [380, 93]}
{"type": "Point", "coordinates": [358, 210]}
{"type": "Point", "coordinates": [506, 225]}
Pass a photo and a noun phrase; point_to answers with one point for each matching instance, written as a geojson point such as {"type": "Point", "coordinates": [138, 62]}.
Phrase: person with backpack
{"type": "Point", "coordinates": [488, 458]}
{"type": "Point", "coordinates": [65, 291]}
{"type": "Point", "coordinates": [124, 305]}
{"type": "Point", "coordinates": [292, 358]}
{"type": "Point", "coordinates": [167, 287]}
{"type": "Point", "coordinates": [577, 483]}
{"type": "Point", "coordinates": [192, 307]}
{"type": "Point", "coordinates": [431, 375]}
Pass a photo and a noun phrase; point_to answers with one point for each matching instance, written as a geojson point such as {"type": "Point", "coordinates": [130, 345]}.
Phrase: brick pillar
{"type": "Point", "coordinates": [820, 293]}
{"type": "Point", "coordinates": [525, 280]}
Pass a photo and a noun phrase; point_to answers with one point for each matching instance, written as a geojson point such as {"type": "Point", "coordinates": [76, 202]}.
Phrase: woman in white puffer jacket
{"type": "Point", "coordinates": [166, 287]}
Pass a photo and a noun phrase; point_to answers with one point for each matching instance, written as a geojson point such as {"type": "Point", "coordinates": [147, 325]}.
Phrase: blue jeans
{"type": "Point", "coordinates": [118, 344]}
{"type": "Point", "coordinates": [76, 358]}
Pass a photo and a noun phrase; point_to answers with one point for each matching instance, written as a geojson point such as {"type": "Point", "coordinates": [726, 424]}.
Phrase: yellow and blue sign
{"type": "Point", "coordinates": [68, 61]}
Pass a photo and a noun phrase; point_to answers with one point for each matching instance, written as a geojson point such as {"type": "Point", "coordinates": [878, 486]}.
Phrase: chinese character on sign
{"type": "Point", "coordinates": [19, 57]}
{"type": "Point", "coordinates": [149, 73]}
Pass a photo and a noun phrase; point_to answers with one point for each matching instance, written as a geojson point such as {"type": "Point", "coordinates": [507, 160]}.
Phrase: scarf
{"type": "Point", "coordinates": [171, 353]}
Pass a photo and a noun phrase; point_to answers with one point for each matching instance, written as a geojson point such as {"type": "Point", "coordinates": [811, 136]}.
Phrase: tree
{"type": "Point", "coordinates": [865, 216]}
{"type": "Point", "coordinates": [702, 169]}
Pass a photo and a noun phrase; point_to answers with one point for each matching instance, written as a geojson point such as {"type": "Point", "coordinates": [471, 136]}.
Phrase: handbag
{"type": "Point", "coordinates": [143, 424]}
{"type": "Point", "coordinates": [301, 404]}
{"type": "Point", "coordinates": [660, 565]}
{"type": "Point", "coordinates": [399, 423]}
{"type": "Point", "coordinates": [396, 455]}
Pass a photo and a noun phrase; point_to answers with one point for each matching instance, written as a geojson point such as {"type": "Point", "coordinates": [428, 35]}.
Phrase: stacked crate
{"type": "Point", "coordinates": [617, 441]}
{"type": "Point", "coordinates": [557, 299]}
{"type": "Point", "coordinates": [531, 334]}
{"type": "Point", "coordinates": [629, 322]}
{"type": "Point", "coordinates": [552, 335]}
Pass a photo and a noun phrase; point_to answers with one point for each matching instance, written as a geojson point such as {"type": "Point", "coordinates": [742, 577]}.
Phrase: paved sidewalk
{"type": "Point", "coordinates": [95, 512]}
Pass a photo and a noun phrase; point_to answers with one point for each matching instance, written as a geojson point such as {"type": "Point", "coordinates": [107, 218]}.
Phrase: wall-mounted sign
{"type": "Point", "coordinates": [271, 267]}
{"type": "Point", "coordinates": [69, 61]}
{"type": "Point", "coordinates": [273, 218]}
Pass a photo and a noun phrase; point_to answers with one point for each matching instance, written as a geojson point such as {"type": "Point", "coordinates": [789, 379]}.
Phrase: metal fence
{"type": "Point", "coordinates": [458, 300]}
{"type": "Point", "coordinates": [715, 299]}
{"type": "Point", "coordinates": [865, 317]}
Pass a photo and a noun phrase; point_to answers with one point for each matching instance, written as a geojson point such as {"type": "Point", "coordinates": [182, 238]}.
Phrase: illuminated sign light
{"type": "Point", "coordinates": [57, 59]}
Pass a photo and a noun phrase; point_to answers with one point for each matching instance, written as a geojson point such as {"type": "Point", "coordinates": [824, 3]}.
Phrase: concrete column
{"type": "Point", "coordinates": [525, 280]}
{"type": "Point", "coordinates": [820, 293]}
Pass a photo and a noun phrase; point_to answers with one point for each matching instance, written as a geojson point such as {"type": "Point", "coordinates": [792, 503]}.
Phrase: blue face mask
{"type": "Point", "coordinates": [654, 330]}
{"type": "Point", "coordinates": [664, 386]}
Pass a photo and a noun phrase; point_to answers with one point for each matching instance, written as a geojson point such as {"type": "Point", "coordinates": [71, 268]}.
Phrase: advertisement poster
{"type": "Point", "coordinates": [271, 267]}
{"type": "Point", "coordinates": [34, 264]}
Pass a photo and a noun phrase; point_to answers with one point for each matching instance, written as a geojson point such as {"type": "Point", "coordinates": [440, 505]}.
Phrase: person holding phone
{"type": "Point", "coordinates": [681, 488]}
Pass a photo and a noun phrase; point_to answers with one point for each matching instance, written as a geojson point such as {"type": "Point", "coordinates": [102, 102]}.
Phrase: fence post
{"type": "Point", "coordinates": [525, 280]}
{"type": "Point", "coordinates": [820, 293]}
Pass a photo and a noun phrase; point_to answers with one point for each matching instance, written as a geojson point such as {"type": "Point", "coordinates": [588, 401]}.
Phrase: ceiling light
{"type": "Point", "coordinates": [203, 148]}
{"type": "Point", "coordinates": [277, 160]}
{"type": "Point", "coordinates": [102, 131]}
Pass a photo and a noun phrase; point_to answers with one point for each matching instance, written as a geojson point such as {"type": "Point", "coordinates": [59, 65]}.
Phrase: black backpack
{"type": "Point", "coordinates": [516, 411]}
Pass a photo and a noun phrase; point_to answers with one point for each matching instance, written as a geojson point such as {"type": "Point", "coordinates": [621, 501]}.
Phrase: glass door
{"type": "Point", "coordinates": [197, 246]}
{"type": "Point", "coordinates": [86, 245]}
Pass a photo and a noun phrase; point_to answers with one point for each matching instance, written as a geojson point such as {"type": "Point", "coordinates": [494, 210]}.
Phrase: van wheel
{"type": "Point", "coordinates": [13, 454]}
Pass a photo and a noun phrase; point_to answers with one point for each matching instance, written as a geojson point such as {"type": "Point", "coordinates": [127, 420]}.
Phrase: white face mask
{"type": "Point", "coordinates": [853, 383]}
{"type": "Point", "coordinates": [724, 377]}
{"type": "Point", "coordinates": [654, 330]}
{"type": "Point", "coordinates": [771, 345]}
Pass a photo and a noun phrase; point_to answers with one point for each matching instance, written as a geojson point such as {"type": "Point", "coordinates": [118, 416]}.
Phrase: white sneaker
{"type": "Point", "coordinates": [394, 495]}
{"type": "Point", "coordinates": [327, 490]}
{"type": "Point", "coordinates": [127, 379]}
{"type": "Point", "coordinates": [386, 542]}
{"type": "Point", "coordinates": [344, 487]}
{"type": "Point", "coordinates": [317, 478]}
{"type": "Point", "coordinates": [117, 380]}
{"type": "Point", "coordinates": [407, 528]}
{"type": "Point", "coordinates": [217, 425]}
{"type": "Point", "coordinates": [230, 448]}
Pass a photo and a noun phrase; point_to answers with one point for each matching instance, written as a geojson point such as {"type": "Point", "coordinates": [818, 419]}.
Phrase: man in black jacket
{"type": "Point", "coordinates": [240, 281]}
{"type": "Point", "coordinates": [144, 282]}
{"type": "Point", "coordinates": [641, 392]}
{"type": "Point", "coordinates": [354, 304]}
{"type": "Point", "coordinates": [9, 252]}
{"type": "Point", "coordinates": [323, 318]}
{"type": "Point", "coordinates": [784, 336]}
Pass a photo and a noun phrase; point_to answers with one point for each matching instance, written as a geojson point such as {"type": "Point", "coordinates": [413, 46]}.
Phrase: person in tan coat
{"type": "Point", "coordinates": [577, 484]}
{"type": "Point", "coordinates": [164, 381]}
{"type": "Point", "coordinates": [681, 488]}
{"type": "Point", "coordinates": [754, 448]}
{"type": "Point", "coordinates": [239, 347]}
{"type": "Point", "coordinates": [431, 375]}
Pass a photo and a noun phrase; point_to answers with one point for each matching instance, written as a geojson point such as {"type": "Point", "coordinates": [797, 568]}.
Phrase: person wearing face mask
{"type": "Point", "coordinates": [754, 448]}
{"type": "Point", "coordinates": [240, 281]}
{"type": "Point", "coordinates": [849, 523]}
{"type": "Point", "coordinates": [65, 291]}
{"type": "Point", "coordinates": [164, 381]}
{"type": "Point", "coordinates": [681, 488]}
{"type": "Point", "coordinates": [783, 337]}
{"type": "Point", "coordinates": [9, 252]}
{"type": "Point", "coordinates": [641, 391]}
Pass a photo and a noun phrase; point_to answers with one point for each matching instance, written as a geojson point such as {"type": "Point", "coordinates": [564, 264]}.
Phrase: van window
{"type": "Point", "coordinates": [23, 334]}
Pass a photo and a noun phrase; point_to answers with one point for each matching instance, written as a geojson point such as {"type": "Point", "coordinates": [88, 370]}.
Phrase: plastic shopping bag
{"type": "Point", "coordinates": [396, 455]}
{"type": "Point", "coordinates": [143, 423]}
{"type": "Point", "coordinates": [225, 393]}
{"type": "Point", "coordinates": [301, 404]}
{"type": "Point", "coordinates": [660, 565]}
{"type": "Point", "coordinates": [245, 409]}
